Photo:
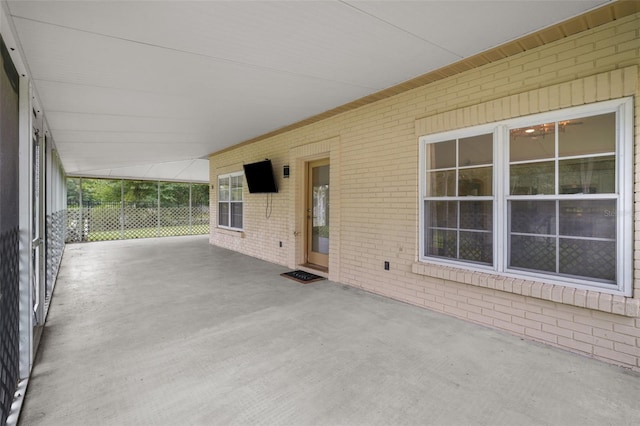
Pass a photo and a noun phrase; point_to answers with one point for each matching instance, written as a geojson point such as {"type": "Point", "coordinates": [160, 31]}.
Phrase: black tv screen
{"type": "Point", "coordinates": [260, 177]}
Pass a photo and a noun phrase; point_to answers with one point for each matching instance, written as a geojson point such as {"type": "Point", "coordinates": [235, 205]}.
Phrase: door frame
{"type": "Point", "coordinates": [298, 157]}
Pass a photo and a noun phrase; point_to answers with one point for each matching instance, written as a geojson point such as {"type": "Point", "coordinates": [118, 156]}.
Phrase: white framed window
{"type": "Point", "coordinates": [458, 197]}
{"type": "Point", "coordinates": [547, 196]}
{"type": "Point", "coordinates": [230, 201]}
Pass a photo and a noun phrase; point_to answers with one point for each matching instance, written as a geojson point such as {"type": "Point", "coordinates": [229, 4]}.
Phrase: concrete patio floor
{"type": "Point", "coordinates": [173, 331]}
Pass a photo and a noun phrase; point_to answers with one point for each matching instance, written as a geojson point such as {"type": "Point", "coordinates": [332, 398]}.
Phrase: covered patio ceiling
{"type": "Point", "coordinates": [147, 89]}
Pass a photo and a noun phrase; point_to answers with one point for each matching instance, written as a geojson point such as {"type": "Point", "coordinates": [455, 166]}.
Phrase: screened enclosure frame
{"type": "Point", "coordinates": [127, 208]}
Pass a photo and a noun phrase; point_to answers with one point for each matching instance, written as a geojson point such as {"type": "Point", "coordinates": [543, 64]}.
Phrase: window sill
{"type": "Point", "coordinates": [590, 299]}
{"type": "Point", "coordinates": [231, 232]}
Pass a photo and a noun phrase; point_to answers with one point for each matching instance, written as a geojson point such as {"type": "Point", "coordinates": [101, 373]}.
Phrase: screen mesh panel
{"type": "Point", "coordinates": [9, 242]}
{"type": "Point", "coordinates": [135, 210]}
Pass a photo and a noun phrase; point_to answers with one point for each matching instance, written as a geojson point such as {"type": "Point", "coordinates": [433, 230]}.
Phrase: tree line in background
{"type": "Point", "coordinates": [100, 191]}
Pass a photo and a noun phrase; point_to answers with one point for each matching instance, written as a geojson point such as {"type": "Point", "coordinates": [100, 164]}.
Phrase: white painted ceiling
{"type": "Point", "coordinates": [146, 89]}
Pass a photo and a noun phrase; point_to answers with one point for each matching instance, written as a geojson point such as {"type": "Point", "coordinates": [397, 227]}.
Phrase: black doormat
{"type": "Point", "coordinates": [302, 276]}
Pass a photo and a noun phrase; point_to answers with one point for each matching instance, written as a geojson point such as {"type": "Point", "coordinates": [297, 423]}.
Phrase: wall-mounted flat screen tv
{"type": "Point", "coordinates": [260, 178]}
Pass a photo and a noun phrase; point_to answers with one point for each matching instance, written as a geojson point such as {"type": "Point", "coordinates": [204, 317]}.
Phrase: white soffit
{"type": "Point", "coordinates": [184, 171]}
{"type": "Point", "coordinates": [142, 88]}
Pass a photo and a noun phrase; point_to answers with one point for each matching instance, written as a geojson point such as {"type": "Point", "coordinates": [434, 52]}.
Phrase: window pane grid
{"type": "Point", "coordinates": [539, 160]}
{"type": "Point", "coordinates": [464, 198]}
{"type": "Point", "coordinates": [546, 235]}
{"type": "Point", "coordinates": [459, 228]}
{"type": "Point", "coordinates": [573, 157]}
{"type": "Point", "coordinates": [578, 227]}
{"type": "Point", "coordinates": [223, 214]}
{"type": "Point", "coordinates": [570, 175]}
{"type": "Point", "coordinates": [223, 189]}
{"type": "Point", "coordinates": [468, 183]}
{"type": "Point", "coordinates": [446, 169]}
{"type": "Point", "coordinates": [475, 166]}
{"type": "Point", "coordinates": [576, 165]}
{"type": "Point", "coordinates": [573, 254]}
{"type": "Point", "coordinates": [230, 202]}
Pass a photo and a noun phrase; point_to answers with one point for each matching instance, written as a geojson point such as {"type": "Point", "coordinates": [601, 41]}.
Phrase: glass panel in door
{"type": "Point", "coordinates": [318, 213]}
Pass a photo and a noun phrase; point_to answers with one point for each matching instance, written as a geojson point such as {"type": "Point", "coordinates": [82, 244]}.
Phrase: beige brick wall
{"type": "Point", "coordinates": [374, 197]}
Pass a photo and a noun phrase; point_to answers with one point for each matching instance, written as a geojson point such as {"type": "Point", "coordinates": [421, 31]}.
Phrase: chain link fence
{"type": "Point", "coordinates": [144, 209]}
